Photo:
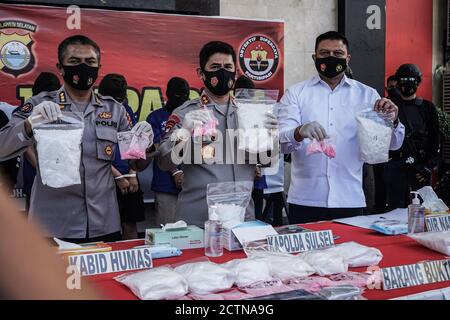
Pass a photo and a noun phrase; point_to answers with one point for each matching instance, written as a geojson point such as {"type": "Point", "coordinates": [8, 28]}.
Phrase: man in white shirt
{"type": "Point", "coordinates": [326, 106]}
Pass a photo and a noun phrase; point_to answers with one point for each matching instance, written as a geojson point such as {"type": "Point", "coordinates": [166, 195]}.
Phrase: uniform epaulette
{"type": "Point", "coordinates": [189, 103]}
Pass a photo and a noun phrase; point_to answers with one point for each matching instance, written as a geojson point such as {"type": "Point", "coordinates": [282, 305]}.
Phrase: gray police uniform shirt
{"type": "Point", "coordinates": [192, 205]}
{"type": "Point", "coordinates": [89, 209]}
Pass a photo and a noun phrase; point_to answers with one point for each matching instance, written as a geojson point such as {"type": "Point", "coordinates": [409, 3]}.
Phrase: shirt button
{"type": "Point", "coordinates": [331, 124]}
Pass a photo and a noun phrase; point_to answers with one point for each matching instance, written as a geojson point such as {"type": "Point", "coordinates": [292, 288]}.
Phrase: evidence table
{"type": "Point", "coordinates": [397, 250]}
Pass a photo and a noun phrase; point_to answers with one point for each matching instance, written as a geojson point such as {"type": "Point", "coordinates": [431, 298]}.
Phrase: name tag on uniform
{"type": "Point", "coordinates": [208, 152]}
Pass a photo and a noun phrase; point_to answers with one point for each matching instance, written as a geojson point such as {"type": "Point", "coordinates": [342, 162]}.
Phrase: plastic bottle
{"type": "Point", "coordinates": [416, 215]}
{"type": "Point", "coordinates": [213, 236]}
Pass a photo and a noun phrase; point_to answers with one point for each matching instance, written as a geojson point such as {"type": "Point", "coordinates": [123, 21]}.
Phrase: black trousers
{"type": "Point", "coordinates": [258, 200]}
{"type": "Point", "coordinates": [380, 188]}
{"type": "Point", "coordinates": [274, 206]}
{"type": "Point", "coordinates": [400, 180]}
{"type": "Point", "coordinates": [302, 214]}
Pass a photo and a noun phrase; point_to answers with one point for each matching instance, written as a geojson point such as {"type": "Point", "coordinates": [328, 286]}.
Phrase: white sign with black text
{"type": "Point", "coordinates": [416, 274]}
{"type": "Point", "coordinates": [301, 242]}
{"type": "Point", "coordinates": [112, 261]}
{"type": "Point", "coordinates": [438, 223]}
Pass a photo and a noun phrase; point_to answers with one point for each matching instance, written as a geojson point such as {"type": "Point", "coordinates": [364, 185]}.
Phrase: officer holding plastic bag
{"type": "Point", "coordinates": [74, 195]}
{"type": "Point", "coordinates": [202, 162]}
{"type": "Point", "coordinates": [327, 105]}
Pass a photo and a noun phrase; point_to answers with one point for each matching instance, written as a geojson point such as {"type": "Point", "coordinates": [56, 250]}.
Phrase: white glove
{"type": "Point", "coordinates": [47, 110]}
{"type": "Point", "coordinates": [271, 121]}
{"type": "Point", "coordinates": [312, 131]}
{"type": "Point", "coordinates": [195, 118]}
{"type": "Point", "coordinates": [143, 127]}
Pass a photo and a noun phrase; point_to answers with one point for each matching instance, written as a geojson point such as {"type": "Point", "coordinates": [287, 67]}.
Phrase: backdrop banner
{"type": "Point", "coordinates": [147, 48]}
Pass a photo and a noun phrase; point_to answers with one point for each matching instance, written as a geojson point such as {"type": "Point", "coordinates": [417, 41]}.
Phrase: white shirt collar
{"type": "Point", "coordinates": [345, 80]}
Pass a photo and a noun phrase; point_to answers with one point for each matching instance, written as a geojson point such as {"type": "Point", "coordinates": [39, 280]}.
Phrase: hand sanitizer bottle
{"type": "Point", "coordinates": [416, 215]}
{"type": "Point", "coordinates": [213, 236]}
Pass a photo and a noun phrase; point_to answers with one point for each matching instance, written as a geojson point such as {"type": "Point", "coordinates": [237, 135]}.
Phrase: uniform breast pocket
{"type": "Point", "coordinates": [106, 143]}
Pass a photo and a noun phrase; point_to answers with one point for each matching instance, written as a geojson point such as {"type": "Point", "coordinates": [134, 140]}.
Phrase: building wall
{"type": "Point", "coordinates": [304, 21]}
{"type": "Point", "coordinates": [409, 39]}
{"type": "Point", "coordinates": [439, 38]}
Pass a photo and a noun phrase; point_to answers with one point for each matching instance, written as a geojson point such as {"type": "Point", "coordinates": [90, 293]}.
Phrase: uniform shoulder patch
{"type": "Point", "coordinates": [172, 122]}
{"type": "Point", "coordinates": [188, 106]}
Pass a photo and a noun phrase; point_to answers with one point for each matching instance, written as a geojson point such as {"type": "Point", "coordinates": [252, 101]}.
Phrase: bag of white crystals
{"type": "Point", "coordinates": [253, 106]}
{"type": "Point", "coordinates": [58, 146]}
{"type": "Point", "coordinates": [374, 135]}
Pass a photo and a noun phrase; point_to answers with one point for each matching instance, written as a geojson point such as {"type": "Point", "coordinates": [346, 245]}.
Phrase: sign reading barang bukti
{"type": "Point", "coordinates": [112, 261]}
{"type": "Point", "coordinates": [301, 242]}
{"type": "Point", "coordinates": [416, 274]}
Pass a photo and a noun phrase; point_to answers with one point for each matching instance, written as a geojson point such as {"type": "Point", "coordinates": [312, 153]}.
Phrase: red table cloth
{"type": "Point", "coordinates": [397, 250]}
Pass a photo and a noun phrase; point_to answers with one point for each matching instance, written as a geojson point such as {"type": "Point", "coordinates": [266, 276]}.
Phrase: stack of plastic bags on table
{"type": "Point", "coordinates": [155, 284]}
{"type": "Point", "coordinates": [264, 272]}
{"type": "Point", "coordinates": [206, 277]}
{"type": "Point", "coordinates": [437, 241]}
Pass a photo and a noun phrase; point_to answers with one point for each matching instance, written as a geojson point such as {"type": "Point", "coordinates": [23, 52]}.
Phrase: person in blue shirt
{"type": "Point", "coordinates": [130, 197]}
{"type": "Point", "coordinates": [167, 185]}
{"type": "Point", "coordinates": [46, 81]}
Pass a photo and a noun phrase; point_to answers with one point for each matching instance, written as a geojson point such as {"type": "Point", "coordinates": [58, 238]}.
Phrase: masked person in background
{"type": "Point", "coordinates": [410, 168]}
{"type": "Point", "coordinates": [327, 105]}
{"type": "Point", "coordinates": [88, 211]}
{"type": "Point", "coordinates": [378, 169]}
{"type": "Point", "coordinates": [206, 162]}
{"type": "Point", "coordinates": [391, 87]}
{"type": "Point", "coordinates": [129, 195]}
{"type": "Point", "coordinates": [167, 184]}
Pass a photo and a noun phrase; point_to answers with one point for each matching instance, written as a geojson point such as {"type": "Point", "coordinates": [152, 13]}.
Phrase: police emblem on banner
{"type": "Point", "coordinates": [16, 55]}
{"type": "Point", "coordinates": [259, 58]}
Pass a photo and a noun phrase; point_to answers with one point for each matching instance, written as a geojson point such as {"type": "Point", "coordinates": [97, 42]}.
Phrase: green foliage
{"type": "Point", "coordinates": [444, 123]}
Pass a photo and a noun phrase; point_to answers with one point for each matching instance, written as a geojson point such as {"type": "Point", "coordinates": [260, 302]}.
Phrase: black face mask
{"type": "Point", "coordinates": [408, 88]}
{"type": "Point", "coordinates": [175, 101]}
{"type": "Point", "coordinates": [81, 76]}
{"type": "Point", "coordinates": [393, 92]}
{"type": "Point", "coordinates": [331, 67]}
{"type": "Point", "coordinates": [219, 82]}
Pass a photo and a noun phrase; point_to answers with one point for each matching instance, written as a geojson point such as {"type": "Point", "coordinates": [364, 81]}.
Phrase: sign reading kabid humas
{"type": "Point", "coordinates": [112, 261]}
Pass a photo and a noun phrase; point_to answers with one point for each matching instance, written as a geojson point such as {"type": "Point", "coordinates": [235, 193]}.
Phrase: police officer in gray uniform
{"type": "Point", "coordinates": [218, 72]}
{"type": "Point", "coordinates": [89, 211]}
